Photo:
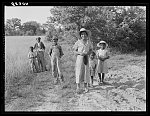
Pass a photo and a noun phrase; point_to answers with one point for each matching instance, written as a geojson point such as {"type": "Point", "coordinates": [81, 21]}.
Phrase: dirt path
{"type": "Point", "coordinates": [124, 90]}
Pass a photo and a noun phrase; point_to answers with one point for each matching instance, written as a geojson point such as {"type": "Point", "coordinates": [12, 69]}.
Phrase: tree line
{"type": "Point", "coordinates": [121, 27]}
{"type": "Point", "coordinates": [13, 27]}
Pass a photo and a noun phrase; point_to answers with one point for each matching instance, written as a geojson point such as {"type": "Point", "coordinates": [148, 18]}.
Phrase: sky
{"type": "Point", "coordinates": [28, 13]}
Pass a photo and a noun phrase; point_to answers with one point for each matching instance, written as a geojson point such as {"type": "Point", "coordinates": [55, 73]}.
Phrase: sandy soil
{"type": "Point", "coordinates": [124, 90]}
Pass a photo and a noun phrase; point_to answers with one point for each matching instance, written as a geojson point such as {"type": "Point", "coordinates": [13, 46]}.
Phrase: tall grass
{"type": "Point", "coordinates": [17, 68]}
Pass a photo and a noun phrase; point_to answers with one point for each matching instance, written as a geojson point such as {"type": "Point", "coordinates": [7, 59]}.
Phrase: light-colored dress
{"type": "Point", "coordinates": [32, 60]}
{"type": "Point", "coordinates": [102, 65]}
{"type": "Point", "coordinates": [82, 71]}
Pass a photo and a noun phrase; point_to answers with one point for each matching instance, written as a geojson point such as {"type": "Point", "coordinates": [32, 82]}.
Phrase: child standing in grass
{"type": "Point", "coordinates": [102, 55]}
{"type": "Point", "coordinates": [55, 54]}
{"type": "Point", "coordinates": [32, 59]}
{"type": "Point", "coordinates": [92, 65]}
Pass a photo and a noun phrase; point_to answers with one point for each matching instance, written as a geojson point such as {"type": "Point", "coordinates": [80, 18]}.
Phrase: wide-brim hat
{"type": "Point", "coordinates": [85, 30]}
{"type": "Point", "coordinates": [102, 42]}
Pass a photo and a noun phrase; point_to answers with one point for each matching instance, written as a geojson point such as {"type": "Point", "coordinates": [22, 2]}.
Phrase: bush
{"type": "Point", "coordinates": [70, 36]}
{"type": "Point", "coordinates": [49, 34]}
{"type": "Point", "coordinates": [29, 33]}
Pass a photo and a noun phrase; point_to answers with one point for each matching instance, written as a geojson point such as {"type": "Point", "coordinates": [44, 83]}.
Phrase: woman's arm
{"type": "Point", "coordinates": [75, 50]}
{"type": "Point", "coordinates": [79, 53]}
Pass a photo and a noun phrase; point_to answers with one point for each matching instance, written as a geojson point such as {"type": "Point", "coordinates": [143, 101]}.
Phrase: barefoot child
{"type": "Point", "coordinates": [102, 55]}
{"type": "Point", "coordinates": [32, 59]}
{"type": "Point", "coordinates": [55, 54]}
{"type": "Point", "coordinates": [92, 65]}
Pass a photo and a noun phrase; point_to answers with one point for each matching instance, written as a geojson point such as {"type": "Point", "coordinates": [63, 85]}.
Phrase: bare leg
{"type": "Point", "coordinates": [86, 87]}
{"type": "Point", "coordinates": [92, 80]}
{"type": "Point", "coordinates": [42, 63]}
{"type": "Point", "coordinates": [78, 86]}
{"type": "Point", "coordinates": [36, 66]}
{"type": "Point", "coordinates": [59, 70]}
{"type": "Point", "coordinates": [32, 67]}
{"type": "Point", "coordinates": [103, 75]}
{"type": "Point", "coordinates": [99, 74]}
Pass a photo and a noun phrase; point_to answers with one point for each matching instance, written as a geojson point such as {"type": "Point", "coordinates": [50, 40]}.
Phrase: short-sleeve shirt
{"type": "Point", "coordinates": [102, 53]}
{"type": "Point", "coordinates": [39, 46]}
{"type": "Point", "coordinates": [80, 47]}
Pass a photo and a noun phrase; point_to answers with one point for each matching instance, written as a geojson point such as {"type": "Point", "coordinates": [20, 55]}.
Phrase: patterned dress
{"type": "Point", "coordinates": [102, 65]}
{"type": "Point", "coordinates": [32, 61]}
{"type": "Point", "coordinates": [82, 71]}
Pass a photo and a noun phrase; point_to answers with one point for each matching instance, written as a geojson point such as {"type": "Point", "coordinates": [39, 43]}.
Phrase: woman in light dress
{"type": "Point", "coordinates": [82, 49]}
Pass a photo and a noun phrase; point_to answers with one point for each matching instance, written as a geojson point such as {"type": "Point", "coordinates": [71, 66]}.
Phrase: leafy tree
{"type": "Point", "coordinates": [121, 27]}
{"type": "Point", "coordinates": [50, 32]}
{"type": "Point", "coordinates": [12, 25]}
{"type": "Point", "coordinates": [67, 15]}
{"type": "Point", "coordinates": [30, 25]}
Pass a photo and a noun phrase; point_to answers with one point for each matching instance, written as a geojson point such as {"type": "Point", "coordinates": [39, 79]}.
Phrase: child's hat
{"type": "Point", "coordinates": [101, 42]}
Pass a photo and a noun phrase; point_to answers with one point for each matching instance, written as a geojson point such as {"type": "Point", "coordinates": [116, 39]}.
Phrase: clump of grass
{"type": "Point", "coordinates": [17, 74]}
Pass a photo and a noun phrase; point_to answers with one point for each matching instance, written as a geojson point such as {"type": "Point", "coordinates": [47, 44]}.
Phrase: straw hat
{"type": "Point", "coordinates": [84, 30]}
{"type": "Point", "coordinates": [102, 42]}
